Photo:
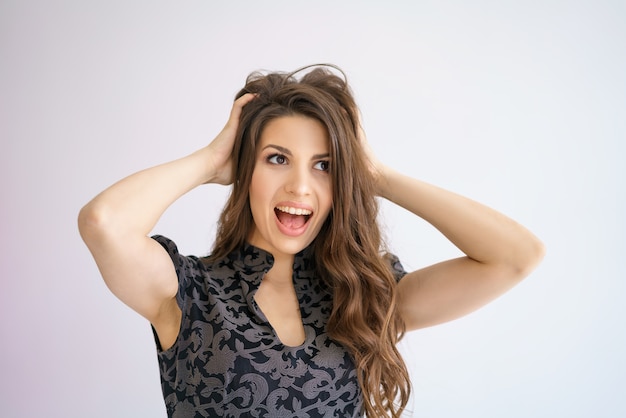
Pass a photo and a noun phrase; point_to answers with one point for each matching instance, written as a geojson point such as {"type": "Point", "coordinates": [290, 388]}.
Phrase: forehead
{"type": "Point", "coordinates": [295, 131]}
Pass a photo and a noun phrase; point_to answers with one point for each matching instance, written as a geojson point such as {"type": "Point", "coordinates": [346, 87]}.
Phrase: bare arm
{"type": "Point", "coordinates": [116, 223]}
{"type": "Point", "coordinates": [499, 252]}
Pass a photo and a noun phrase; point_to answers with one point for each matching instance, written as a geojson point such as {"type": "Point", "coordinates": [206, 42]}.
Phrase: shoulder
{"type": "Point", "coordinates": [181, 262]}
{"type": "Point", "coordinates": [397, 269]}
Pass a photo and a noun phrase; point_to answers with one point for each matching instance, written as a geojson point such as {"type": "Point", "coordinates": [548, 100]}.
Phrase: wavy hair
{"type": "Point", "coordinates": [348, 249]}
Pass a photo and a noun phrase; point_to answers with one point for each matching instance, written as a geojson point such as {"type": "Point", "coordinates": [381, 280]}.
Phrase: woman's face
{"type": "Point", "coordinates": [291, 189]}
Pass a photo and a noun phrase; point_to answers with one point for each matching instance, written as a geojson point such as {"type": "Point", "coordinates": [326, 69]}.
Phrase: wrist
{"type": "Point", "coordinates": [215, 166]}
{"type": "Point", "coordinates": [204, 166]}
{"type": "Point", "coordinates": [383, 176]}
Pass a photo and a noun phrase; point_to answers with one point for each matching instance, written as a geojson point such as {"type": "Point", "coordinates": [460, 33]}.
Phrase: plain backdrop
{"type": "Point", "coordinates": [518, 104]}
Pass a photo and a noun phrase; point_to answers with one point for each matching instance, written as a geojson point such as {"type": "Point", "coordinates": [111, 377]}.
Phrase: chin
{"type": "Point", "coordinates": [291, 248]}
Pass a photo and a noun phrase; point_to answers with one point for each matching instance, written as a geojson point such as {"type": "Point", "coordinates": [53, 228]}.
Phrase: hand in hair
{"type": "Point", "coordinates": [499, 252]}
{"type": "Point", "coordinates": [376, 167]}
{"type": "Point", "coordinates": [222, 146]}
{"type": "Point", "coordinates": [115, 226]}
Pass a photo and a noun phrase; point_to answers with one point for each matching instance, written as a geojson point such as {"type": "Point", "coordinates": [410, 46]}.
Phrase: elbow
{"type": "Point", "coordinates": [537, 252]}
{"type": "Point", "coordinates": [91, 221]}
{"type": "Point", "coordinates": [529, 257]}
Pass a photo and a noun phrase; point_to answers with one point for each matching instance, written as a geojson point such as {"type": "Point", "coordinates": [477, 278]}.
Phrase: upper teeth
{"type": "Point", "coordinates": [294, 211]}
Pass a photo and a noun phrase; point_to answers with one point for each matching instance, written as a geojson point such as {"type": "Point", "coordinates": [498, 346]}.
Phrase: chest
{"type": "Point", "coordinates": [280, 307]}
{"type": "Point", "coordinates": [229, 356]}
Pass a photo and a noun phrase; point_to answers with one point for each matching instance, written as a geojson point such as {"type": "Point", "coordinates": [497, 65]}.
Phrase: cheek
{"type": "Point", "coordinates": [261, 185]}
{"type": "Point", "coordinates": [255, 190]}
{"type": "Point", "coordinates": [326, 196]}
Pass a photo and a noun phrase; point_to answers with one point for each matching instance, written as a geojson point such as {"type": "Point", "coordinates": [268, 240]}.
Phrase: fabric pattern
{"type": "Point", "coordinates": [229, 362]}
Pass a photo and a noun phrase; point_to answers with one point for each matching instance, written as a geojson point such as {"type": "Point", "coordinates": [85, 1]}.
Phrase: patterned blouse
{"type": "Point", "coordinates": [228, 361]}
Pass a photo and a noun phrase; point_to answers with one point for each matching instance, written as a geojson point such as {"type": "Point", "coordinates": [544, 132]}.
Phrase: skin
{"type": "Point", "coordinates": [499, 252]}
{"type": "Point", "coordinates": [291, 170]}
{"type": "Point", "coordinates": [115, 226]}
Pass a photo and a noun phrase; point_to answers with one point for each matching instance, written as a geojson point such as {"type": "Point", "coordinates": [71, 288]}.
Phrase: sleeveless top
{"type": "Point", "coordinates": [227, 360]}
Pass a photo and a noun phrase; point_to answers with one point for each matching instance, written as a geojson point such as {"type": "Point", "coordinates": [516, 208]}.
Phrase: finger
{"type": "Point", "coordinates": [360, 131]}
{"type": "Point", "coordinates": [239, 104]}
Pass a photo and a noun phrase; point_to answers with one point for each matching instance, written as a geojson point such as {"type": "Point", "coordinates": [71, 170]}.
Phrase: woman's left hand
{"type": "Point", "coordinates": [376, 167]}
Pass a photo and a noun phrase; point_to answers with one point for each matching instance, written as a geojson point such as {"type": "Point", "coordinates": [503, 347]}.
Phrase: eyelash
{"type": "Point", "coordinates": [273, 159]}
{"type": "Point", "coordinates": [326, 162]}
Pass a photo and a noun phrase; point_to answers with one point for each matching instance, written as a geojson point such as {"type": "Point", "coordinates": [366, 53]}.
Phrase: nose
{"type": "Point", "coordinates": [299, 182]}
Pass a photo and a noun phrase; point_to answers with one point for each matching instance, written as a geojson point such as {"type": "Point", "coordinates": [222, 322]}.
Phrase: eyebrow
{"type": "Point", "coordinates": [288, 153]}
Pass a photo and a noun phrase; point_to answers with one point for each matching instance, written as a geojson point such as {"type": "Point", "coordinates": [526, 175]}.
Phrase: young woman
{"type": "Point", "coordinates": [298, 309]}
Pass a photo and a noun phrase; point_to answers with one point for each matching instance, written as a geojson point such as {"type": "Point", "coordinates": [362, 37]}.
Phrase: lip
{"type": "Point", "coordinates": [294, 232]}
{"type": "Point", "coordinates": [297, 205]}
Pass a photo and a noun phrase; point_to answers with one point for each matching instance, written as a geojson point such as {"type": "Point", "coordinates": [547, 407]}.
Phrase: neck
{"type": "Point", "coordinates": [282, 271]}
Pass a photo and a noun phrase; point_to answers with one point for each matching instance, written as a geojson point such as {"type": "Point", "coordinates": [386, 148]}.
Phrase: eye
{"type": "Point", "coordinates": [323, 165]}
{"type": "Point", "coordinates": [279, 159]}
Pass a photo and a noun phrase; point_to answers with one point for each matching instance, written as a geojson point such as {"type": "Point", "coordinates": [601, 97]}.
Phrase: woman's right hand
{"type": "Point", "coordinates": [220, 149]}
{"type": "Point", "coordinates": [116, 225]}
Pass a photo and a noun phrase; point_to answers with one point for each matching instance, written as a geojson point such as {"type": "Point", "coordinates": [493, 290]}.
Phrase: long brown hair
{"type": "Point", "coordinates": [348, 249]}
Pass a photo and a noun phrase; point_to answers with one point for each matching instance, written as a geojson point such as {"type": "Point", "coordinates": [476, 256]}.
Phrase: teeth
{"type": "Point", "coordinates": [294, 211]}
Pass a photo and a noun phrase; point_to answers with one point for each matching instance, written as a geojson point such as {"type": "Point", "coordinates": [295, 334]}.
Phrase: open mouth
{"type": "Point", "coordinates": [293, 218]}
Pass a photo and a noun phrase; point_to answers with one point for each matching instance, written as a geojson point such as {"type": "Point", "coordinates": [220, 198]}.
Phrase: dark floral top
{"type": "Point", "coordinates": [228, 361]}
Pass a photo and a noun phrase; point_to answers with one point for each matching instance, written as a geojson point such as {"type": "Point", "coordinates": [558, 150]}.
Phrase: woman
{"type": "Point", "coordinates": [297, 311]}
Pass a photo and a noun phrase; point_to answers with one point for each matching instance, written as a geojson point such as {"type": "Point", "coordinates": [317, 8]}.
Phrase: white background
{"type": "Point", "coordinates": [518, 104]}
